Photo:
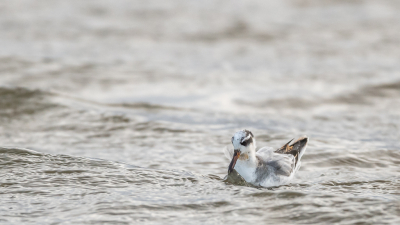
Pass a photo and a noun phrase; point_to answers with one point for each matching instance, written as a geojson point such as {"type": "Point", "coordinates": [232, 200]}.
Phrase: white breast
{"type": "Point", "coordinates": [246, 170]}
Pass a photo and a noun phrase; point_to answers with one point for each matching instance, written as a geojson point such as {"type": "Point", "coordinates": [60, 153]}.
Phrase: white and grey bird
{"type": "Point", "coordinates": [266, 167]}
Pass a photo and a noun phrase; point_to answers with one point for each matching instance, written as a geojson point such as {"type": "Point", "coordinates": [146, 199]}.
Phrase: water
{"type": "Point", "coordinates": [118, 111]}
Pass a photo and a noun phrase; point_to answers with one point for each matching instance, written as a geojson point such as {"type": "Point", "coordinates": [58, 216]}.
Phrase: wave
{"type": "Point", "coordinates": [17, 101]}
{"type": "Point", "coordinates": [363, 96]}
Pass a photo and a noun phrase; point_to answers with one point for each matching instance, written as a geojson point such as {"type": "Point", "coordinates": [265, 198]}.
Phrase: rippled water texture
{"type": "Point", "coordinates": [116, 112]}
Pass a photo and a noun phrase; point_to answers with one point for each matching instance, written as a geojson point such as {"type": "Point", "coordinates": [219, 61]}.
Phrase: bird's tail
{"type": "Point", "coordinates": [296, 149]}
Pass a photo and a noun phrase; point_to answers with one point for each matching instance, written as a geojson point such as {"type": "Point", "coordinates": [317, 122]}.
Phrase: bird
{"type": "Point", "coordinates": [266, 167]}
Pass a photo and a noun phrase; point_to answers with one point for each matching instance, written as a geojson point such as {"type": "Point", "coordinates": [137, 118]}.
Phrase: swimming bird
{"type": "Point", "coordinates": [266, 167]}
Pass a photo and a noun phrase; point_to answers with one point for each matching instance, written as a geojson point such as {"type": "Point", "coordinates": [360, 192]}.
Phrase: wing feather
{"type": "Point", "coordinates": [279, 164]}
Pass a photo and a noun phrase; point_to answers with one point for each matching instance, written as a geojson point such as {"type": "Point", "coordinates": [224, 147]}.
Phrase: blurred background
{"type": "Point", "coordinates": [124, 99]}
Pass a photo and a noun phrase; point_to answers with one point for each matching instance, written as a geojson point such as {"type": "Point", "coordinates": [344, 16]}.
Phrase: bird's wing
{"type": "Point", "coordinates": [265, 151]}
{"type": "Point", "coordinates": [279, 164]}
{"type": "Point", "coordinates": [228, 151]}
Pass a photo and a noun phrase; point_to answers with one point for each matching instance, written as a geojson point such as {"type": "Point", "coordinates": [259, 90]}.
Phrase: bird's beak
{"type": "Point", "coordinates": [236, 155]}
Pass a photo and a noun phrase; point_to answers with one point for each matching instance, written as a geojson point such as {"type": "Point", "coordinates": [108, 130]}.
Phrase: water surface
{"type": "Point", "coordinates": [118, 111]}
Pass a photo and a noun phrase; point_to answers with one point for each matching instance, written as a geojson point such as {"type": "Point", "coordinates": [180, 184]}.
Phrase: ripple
{"type": "Point", "coordinates": [17, 101]}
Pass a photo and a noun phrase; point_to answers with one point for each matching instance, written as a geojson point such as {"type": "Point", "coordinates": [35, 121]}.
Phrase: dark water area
{"type": "Point", "coordinates": [117, 112]}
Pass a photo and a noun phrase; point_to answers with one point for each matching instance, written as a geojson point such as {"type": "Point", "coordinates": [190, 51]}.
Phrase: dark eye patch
{"type": "Point", "coordinates": [246, 142]}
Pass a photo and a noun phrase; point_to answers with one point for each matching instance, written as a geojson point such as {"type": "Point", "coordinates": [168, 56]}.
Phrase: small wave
{"type": "Point", "coordinates": [18, 101]}
{"type": "Point", "coordinates": [362, 159]}
{"type": "Point", "coordinates": [363, 96]}
{"type": "Point", "coordinates": [45, 169]}
{"type": "Point", "coordinates": [127, 105]}
{"type": "Point", "coordinates": [236, 31]}
{"type": "Point", "coordinates": [19, 151]}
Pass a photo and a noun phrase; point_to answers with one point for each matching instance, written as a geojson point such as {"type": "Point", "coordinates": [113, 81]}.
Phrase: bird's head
{"type": "Point", "coordinates": [244, 145]}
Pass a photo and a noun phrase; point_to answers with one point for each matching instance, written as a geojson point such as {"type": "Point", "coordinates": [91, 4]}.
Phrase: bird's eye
{"type": "Point", "coordinates": [246, 142]}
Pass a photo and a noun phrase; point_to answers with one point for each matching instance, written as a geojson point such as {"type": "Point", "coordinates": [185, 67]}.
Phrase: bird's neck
{"type": "Point", "coordinates": [252, 158]}
{"type": "Point", "coordinates": [249, 158]}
